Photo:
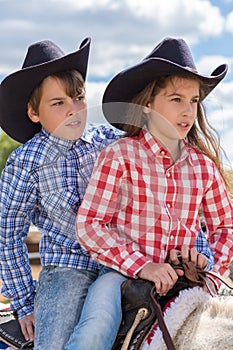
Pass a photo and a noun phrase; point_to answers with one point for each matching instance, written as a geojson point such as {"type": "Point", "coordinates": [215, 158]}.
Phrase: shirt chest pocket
{"type": "Point", "coordinates": [59, 201]}
{"type": "Point", "coordinates": [188, 203]}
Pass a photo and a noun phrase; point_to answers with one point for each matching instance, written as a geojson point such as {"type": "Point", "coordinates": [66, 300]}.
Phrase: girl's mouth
{"type": "Point", "coordinates": [183, 125]}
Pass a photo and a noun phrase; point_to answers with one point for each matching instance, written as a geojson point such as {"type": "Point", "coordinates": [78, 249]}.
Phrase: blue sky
{"type": "Point", "coordinates": [124, 32]}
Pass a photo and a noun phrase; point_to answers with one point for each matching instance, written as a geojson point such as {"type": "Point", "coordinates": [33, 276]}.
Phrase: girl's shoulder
{"type": "Point", "coordinates": [197, 157]}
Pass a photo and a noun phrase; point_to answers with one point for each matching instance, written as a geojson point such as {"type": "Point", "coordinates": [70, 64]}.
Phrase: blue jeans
{"type": "Point", "coordinates": [101, 315]}
{"type": "Point", "coordinates": [58, 304]}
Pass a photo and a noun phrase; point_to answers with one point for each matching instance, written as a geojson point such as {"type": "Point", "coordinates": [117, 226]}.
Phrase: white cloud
{"type": "Point", "coordinates": [219, 106]}
{"type": "Point", "coordinates": [229, 22]}
{"type": "Point", "coordinates": [94, 93]}
{"type": "Point", "coordinates": [90, 5]}
{"type": "Point", "coordinates": [200, 17]}
{"type": "Point", "coordinates": [123, 31]}
{"type": "Point", "coordinates": [207, 64]}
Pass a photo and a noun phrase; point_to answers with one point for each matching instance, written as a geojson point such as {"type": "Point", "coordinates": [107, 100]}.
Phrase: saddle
{"type": "Point", "coordinates": [10, 331]}
{"type": "Point", "coordinates": [142, 305]}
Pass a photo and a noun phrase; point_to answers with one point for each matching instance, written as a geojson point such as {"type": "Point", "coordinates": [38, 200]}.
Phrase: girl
{"type": "Point", "coordinates": [142, 205]}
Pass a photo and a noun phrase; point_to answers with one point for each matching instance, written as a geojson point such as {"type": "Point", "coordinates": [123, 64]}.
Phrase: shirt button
{"type": "Point", "coordinates": [168, 174]}
{"type": "Point", "coordinates": [162, 152]}
{"type": "Point", "coordinates": [169, 205]}
{"type": "Point", "coordinates": [171, 238]}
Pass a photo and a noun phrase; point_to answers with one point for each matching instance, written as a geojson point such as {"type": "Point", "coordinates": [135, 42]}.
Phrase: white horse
{"type": "Point", "coordinates": [195, 321]}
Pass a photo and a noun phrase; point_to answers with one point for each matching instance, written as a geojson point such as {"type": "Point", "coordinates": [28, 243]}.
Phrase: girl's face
{"type": "Point", "coordinates": [173, 111]}
{"type": "Point", "coordinates": [60, 114]}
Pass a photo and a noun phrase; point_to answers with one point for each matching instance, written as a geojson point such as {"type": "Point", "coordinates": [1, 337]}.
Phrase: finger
{"type": "Point", "coordinates": [193, 253]}
{"type": "Point", "coordinates": [168, 280]}
{"type": "Point", "coordinates": [185, 253]}
{"type": "Point", "coordinates": [25, 331]}
{"type": "Point", "coordinates": [30, 331]}
{"type": "Point", "coordinates": [201, 260]}
{"type": "Point", "coordinates": [158, 285]}
{"type": "Point", "coordinates": [179, 272]}
{"type": "Point", "coordinates": [174, 254]}
{"type": "Point", "coordinates": [164, 286]}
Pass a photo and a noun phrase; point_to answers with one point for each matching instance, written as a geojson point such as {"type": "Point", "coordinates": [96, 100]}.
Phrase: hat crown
{"type": "Point", "coordinates": [42, 52]}
{"type": "Point", "coordinates": [174, 50]}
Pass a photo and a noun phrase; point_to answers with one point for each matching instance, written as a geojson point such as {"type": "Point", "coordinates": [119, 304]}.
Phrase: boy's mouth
{"type": "Point", "coordinates": [74, 123]}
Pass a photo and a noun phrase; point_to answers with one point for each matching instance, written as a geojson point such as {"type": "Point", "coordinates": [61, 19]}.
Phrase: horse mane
{"type": "Point", "coordinates": [221, 306]}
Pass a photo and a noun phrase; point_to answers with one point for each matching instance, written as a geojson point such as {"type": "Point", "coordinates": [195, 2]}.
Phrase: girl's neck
{"type": "Point", "coordinates": [173, 146]}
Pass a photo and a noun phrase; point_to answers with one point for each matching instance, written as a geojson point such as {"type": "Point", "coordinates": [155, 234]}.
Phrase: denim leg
{"type": "Point", "coordinates": [58, 305]}
{"type": "Point", "coordinates": [101, 315]}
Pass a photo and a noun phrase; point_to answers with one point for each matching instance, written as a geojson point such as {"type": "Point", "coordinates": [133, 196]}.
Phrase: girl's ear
{"type": "Point", "coordinates": [146, 109]}
{"type": "Point", "coordinates": [32, 114]}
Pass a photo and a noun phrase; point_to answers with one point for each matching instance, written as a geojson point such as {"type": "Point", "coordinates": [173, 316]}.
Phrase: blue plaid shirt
{"type": "Point", "coordinates": [202, 246]}
{"type": "Point", "coordinates": [43, 183]}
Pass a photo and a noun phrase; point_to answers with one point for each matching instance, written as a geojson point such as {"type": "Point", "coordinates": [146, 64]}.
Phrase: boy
{"type": "Point", "coordinates": [43, 106]}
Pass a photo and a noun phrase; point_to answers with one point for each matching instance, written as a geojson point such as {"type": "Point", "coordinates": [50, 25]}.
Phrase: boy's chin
{"type": "Point", "coordinates": [69, 133]}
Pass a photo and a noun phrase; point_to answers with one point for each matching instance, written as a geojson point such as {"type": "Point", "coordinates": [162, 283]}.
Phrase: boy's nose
{"type": "Point", "coordinates": [72, 110]}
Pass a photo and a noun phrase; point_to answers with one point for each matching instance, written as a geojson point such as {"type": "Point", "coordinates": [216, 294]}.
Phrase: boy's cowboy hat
{"type": "Point", "coordinates": [43, 58]}
{"type": "Point", "coordinates": [170, 57]}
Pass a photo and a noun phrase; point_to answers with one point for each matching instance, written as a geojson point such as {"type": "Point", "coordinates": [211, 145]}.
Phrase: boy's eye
{"type": "Point", "coordinates": [176, 99]}
{"type": "Point", "coordinates": [80, 97]}
{"type": "Point", "coordinates": [58, 103]}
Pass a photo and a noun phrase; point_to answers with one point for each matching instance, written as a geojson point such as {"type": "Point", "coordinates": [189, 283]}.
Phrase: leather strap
{"type": "Point", "coordinates": [162, 325]}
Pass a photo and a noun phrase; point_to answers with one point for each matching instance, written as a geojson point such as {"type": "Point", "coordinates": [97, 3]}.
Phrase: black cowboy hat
{"type": "Point", "coordinates": [43, 58]}
{"type": "Point", "coordinates": [170, 57]}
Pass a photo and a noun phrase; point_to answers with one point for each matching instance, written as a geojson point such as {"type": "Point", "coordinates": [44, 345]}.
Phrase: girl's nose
{"type": "Point", "coordinates": [188, 109]}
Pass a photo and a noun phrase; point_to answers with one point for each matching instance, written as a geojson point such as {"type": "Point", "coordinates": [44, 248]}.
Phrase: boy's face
{"type": "Point", "coordinates": [58, 113]}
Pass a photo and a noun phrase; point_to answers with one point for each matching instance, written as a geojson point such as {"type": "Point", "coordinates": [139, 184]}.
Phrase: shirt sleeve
{"type": "Point", "coordinates": [202, 247]}
{"type": "Point", "coordinates": [218, 215]}
{"type": "Point", "coordinates": [17, 197]}
{"type": "Point", "coordinates": [97, 209]}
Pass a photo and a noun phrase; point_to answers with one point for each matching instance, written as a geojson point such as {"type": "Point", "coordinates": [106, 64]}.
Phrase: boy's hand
{"type": "Point", "coordinates": [27, 324]}
{"type": "Point", "coordinates": [163, 276]}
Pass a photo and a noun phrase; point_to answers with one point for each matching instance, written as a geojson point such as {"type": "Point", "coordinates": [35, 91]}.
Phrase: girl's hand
{"type": "Point", "coordinates": [187, 255]}
{"type": "Point", "coordinates": [163, 276]}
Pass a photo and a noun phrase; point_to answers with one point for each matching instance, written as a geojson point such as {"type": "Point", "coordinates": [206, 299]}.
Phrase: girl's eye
{"type": "Point", "coordinates": [195, 100]}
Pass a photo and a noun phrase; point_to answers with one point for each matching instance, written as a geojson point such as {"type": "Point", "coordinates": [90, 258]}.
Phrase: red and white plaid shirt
{"type": "Point", "coordinates": [137, 207]}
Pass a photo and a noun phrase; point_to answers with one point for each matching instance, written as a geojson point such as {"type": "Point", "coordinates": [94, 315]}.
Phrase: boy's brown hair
{"type": "Point", "coordinates": [71, 80]}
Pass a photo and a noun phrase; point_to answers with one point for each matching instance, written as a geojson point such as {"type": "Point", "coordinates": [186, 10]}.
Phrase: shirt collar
{"type": "Point", "coordinates": [158, 150]}
{"type": "Point", "coordinates": [66, 144]}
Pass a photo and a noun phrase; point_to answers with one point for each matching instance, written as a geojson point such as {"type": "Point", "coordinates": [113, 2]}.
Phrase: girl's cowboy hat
{"type": "Point", "coordinates": [43, 58]}
{"type": "Point", "coordinates": [170, 57]}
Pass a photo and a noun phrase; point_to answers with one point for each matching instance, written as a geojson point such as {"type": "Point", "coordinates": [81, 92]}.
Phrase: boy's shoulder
{"type": "Point", "coordinates": [101, 134]}
{"type": "Point", "coordinates": [32, 153]}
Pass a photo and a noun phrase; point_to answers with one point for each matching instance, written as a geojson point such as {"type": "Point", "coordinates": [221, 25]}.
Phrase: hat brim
{"type": "Point", "coordinates": [17, 88]}
{"type": "Point", "coordinates": [128, 83]}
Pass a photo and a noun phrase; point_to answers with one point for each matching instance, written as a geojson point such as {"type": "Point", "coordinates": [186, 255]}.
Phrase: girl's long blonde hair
{"type": "Point", "coordinates": [202, 135]}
